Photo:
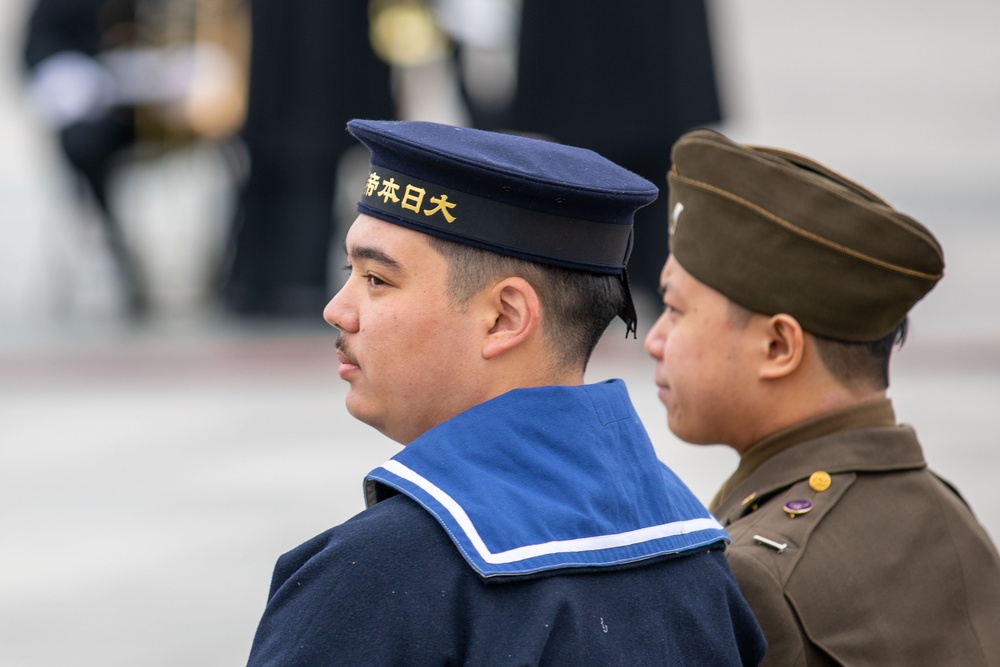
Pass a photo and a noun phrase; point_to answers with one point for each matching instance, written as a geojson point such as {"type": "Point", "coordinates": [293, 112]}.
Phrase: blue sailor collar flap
{"type": "Point", "coordinates": [549, 478]}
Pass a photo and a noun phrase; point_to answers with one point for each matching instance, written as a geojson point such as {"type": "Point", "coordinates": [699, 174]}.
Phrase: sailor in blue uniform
{"type": "Point", "coordinates": [527, 520]}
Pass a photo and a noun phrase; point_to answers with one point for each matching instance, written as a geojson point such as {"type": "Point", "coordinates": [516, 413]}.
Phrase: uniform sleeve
{"type": "Point", "coordinates": [314, 614]}
{"type": "Point", "coordinates": [786, 642]}
{"type": "Point", "coordinates": [351, 597]}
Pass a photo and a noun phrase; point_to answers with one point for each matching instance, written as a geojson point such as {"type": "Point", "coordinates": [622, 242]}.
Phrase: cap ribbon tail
{"type": "Point", "coordinates": [627, 313]}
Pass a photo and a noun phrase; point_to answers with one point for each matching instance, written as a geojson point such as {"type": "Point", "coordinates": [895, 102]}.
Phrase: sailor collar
{"type": "Point", "coordinates": [549, 478]}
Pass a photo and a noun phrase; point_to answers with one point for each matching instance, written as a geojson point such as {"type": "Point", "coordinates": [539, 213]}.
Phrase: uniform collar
{"type": "Point", "coordinates": [549, 478]}
{"type": "Point", "coordinates": [793, 454]}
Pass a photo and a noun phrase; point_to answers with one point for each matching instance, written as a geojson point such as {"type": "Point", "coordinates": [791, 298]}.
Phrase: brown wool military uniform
{"type": "Point", "coordinates": [885, 566]}
{"type": "Point", "coordinates": [848, 548]}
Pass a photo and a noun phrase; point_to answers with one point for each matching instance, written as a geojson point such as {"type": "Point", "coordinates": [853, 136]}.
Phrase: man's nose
{"type": "Point", "coordinates": [655, 339]}
{"type": "Point", "coordinates": [339, 312]}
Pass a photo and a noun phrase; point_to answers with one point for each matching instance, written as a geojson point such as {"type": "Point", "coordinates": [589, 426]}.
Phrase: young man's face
{"type": "Point", "coordinates": [405, 349]}
{"type": "Point", "coordinates": [703, 360]}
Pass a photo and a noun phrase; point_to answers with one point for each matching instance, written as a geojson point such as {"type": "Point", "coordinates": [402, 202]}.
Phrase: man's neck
{"type": "Point", "coordinates": [798, 405]}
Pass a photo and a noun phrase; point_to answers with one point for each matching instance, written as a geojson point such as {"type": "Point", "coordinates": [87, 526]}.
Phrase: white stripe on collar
{"type": "Point", "coordinates": [559, 546]}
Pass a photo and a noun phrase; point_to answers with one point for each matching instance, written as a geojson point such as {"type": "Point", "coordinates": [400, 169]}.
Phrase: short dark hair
{"type": "Point", "coordinates": [864, 364]}
{"type": "Point", "coordinates": [579, 305]}
{"type": "Point", "coordinates": [852, 364]}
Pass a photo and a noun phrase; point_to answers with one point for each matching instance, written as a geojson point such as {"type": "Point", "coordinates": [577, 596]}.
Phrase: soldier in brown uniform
{"type": "Point", "coordinates": [786, 289]}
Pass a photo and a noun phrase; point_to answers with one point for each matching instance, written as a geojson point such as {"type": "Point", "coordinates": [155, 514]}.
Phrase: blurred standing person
{"type": "Point", "coordinates": [312, 68]}
{"type": "Point", "coordinates": [76, 94]}
{"type": "Point", "coordinates": [624, 79]}
{"type": "Point", "coordinates": [786, 288]}
{"type": "Point", "coordinates": [127, 80]}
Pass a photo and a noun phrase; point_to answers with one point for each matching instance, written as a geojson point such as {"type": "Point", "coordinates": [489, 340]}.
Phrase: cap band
{"type": "Point", "coordinates": [452, 214]}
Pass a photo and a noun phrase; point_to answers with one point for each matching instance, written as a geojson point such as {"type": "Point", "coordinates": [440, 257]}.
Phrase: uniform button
{"type": "Point", "coordinates": [819, 481]}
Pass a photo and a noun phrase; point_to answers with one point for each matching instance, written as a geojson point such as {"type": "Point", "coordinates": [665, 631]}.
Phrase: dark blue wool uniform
{"type": "Point", "coordinates": [537, 528]}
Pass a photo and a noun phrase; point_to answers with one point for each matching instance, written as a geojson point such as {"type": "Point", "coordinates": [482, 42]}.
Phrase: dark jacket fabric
{"type": "Point", "coordinates": [537, 528]}
{"type": "Point", "coordinates": [887, 567]}
{"type": "Point", "coordinates": [388, 587]}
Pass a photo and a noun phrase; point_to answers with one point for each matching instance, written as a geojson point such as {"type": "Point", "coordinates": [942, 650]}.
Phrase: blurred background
{"type": "Point", "coordinates": [175, 183]}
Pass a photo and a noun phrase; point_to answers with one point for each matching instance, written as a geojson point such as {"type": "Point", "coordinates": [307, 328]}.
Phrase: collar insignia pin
{"type": "Point", "coordinates": [793, 508]}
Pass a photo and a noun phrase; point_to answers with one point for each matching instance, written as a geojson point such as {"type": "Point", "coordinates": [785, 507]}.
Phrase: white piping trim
{"type": "Point", "coordinates": [558, 546]}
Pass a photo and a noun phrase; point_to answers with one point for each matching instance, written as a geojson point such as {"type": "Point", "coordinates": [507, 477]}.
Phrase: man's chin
{"type": "Point", "coordinates": [689, 437]}
{"type": "Point", "coordinates": [357, 409]}
{"type": "Point", "coordinates": [367, 414]}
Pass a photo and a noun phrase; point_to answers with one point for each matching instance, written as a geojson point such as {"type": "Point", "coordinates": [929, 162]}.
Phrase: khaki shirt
{"type": "Point", "coordinates": [883, 564]}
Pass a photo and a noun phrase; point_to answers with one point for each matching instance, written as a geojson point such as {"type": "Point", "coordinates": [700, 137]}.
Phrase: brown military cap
{"type": "Point", "coordinates": [778, 233]}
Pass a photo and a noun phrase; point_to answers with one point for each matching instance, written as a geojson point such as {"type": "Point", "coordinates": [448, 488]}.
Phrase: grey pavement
{"type": "Point", "coordinates": [150, 476]}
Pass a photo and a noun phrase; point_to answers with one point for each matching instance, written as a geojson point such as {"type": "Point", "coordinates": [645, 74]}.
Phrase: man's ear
{"type": "Point", "coordinates": [516, 316]}
{"type": "Point", "coordinates": [784, 344]}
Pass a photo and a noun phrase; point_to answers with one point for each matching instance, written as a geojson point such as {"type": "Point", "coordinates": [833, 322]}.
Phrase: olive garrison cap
{"type": "Point", "coordinates": [513, 195]}
{"type": "Point", "coordinates": [779, 233]}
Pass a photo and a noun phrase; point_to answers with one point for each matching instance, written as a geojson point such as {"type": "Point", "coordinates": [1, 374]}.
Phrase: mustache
{"type": "Point", "coordinates": [344, 351]}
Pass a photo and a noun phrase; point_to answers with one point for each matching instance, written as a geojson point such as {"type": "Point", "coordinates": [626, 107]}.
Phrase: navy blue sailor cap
{"type": "Point", "coordinates": [514, 195]}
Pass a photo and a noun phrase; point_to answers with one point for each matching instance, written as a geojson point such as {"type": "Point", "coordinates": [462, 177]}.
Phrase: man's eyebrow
{"type": "Point", "coordinates": [373, 254]}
